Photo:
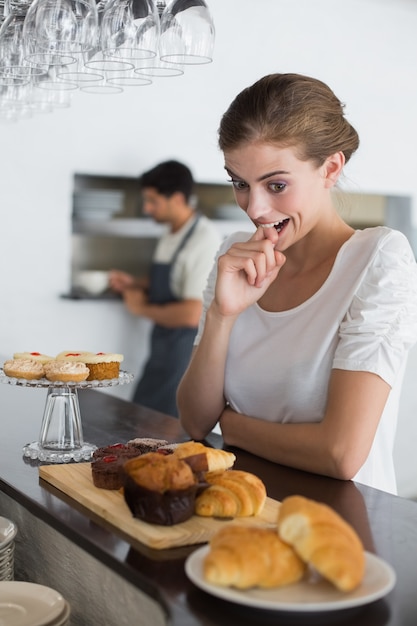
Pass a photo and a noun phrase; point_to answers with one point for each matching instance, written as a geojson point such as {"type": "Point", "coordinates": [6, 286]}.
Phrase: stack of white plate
{"type": "Point", "coordinates": [97, 204]}
{"type": "Point", "coordinates": [7, 534]}
{"type": "Point", "coordinates": [29, 604]}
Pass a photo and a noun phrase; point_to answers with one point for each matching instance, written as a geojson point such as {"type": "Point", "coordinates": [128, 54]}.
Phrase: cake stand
{"type": "Point", "coordinates": [61, 435]}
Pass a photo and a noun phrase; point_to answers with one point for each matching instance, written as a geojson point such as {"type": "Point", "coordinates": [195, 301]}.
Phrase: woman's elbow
{"type": "Point", "coordinates": [192, 428]}
{"type": "Point", "coordinates": [345, 464]}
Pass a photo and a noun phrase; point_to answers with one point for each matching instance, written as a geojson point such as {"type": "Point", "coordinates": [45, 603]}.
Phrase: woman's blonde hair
{"type": "Point", "coordinates": [290, 110]}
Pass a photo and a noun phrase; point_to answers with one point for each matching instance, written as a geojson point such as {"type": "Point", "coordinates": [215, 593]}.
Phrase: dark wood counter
{"type": "Point", "coordinates": [386, 524]}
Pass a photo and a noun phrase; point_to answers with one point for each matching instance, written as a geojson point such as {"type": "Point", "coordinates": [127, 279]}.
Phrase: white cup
{"type": "Point", "coordinates": [93, 282]}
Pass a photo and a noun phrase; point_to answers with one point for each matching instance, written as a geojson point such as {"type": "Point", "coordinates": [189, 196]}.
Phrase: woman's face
{"type": "Point", "coordinates": [278, 190]}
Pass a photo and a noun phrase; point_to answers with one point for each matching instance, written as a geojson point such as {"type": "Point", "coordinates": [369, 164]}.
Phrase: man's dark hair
{"type": "Point", "coordinates": [169, 177]}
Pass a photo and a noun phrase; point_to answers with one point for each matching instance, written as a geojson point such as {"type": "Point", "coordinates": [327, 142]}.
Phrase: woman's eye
{"type": "Point", "coordinates": [238, 184]}
{"type": "Point", "coordinates": [277, 187]}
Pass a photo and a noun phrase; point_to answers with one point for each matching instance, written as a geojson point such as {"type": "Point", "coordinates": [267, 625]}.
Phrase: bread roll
{"type": "Point", "coordinates": [323, 539]}
{"type": "Point", "coordinates": [232, 493]}
{"type": "Point", "coordinates": [245, 557]}
{"type": "Point", "coordinates": [217, 460]}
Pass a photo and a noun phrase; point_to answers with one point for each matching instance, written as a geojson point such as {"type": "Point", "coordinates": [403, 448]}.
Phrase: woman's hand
{"type": "Point", "coordinates": [246, 271]}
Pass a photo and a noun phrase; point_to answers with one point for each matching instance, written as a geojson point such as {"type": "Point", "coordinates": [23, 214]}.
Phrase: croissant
{"type": "Point", "coordinates": [217, 460]}
{"type": "Point", "coordinates": [323, 539]}
{"type": "Point", "coordinates": [245, 557]}
{"type": "Point", "coordinates": [232, 493]}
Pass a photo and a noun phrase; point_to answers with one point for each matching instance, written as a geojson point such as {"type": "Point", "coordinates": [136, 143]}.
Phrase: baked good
{"type": "Point", "coordinates": [75, 356]}
{"type": "Point", "coordinates": [102, 365]}
{"type": "Point", "coordinates": [107, 472]}
{"type": "Point", "coordinates": [146, 444]}
{"type": "Point", "coordinates": [24, 368]}
{"type": "Point", "coordinates": [217, 460]}
{"type": "Point", "coordinates": [34, 356]}
{"type": "Point", "coordinates": [233, 493]}
{"type": "Point", "coordinates": [121, 450]}
{"type": "Point", "coordinates": [160, 489]}
{"type": "Point", "coordinates": [323, 539]}
{"type": "Point", "coordinates": [244, 557]}
{"type": "Point", "coordinates": [64, 371]}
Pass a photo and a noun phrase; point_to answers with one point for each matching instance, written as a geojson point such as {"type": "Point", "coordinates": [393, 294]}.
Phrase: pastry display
{"type": "Point", "coordinates": [24, 368]}
{"type": "Point", "coordinates": [82, 366]}
{"type": "Point", "coordinates": [323, 539]}
{"type": "Point", "coordinates": [64, 371]}
{"type": "Point", "coordinates": [233, 493]}
{"type": "Point", "coordinates": [245, 557]}
{"type": "Point", "coordinates": [160, 489]}
{"type": "Point", "coordinates": [34, 356]}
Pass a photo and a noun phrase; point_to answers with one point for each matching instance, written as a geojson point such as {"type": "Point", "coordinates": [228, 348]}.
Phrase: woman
{"type": "Point", "coordinates": [307, 323]}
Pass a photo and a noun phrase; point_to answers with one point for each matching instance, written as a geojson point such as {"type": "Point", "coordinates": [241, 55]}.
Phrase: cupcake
{"type": "Point", "coordinates": [24, 368]}
{"type": "Point", "coordinates": [64, 371]}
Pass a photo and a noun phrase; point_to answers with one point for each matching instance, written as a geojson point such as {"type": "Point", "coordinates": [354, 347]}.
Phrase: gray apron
{"type": "Point", "coordinates": [170, 348]}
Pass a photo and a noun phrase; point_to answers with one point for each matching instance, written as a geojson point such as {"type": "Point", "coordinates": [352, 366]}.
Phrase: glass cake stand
{"type": "Point", "coordinates": [61, 435]}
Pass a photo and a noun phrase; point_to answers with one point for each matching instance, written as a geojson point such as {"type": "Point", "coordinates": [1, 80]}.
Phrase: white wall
{"type": "Point", "coordinates": [365, 49]}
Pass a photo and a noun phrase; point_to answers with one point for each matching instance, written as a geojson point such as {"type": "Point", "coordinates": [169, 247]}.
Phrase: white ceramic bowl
{"type": "Point", "coordinates": [93, 282]}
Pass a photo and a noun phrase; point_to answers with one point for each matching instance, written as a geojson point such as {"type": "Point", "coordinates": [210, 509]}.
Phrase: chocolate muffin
{"type": "Point", "coordinates": [160, 489]}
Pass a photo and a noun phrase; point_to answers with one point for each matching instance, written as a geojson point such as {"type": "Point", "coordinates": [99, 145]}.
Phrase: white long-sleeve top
{"type": "Point", "coordinates": [363, 318]}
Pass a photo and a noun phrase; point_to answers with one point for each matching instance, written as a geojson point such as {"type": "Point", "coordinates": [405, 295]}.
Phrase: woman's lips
{"type": "Point", "coordinates": [277, 225]}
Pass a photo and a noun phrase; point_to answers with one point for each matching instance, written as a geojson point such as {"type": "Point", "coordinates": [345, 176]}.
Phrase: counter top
{"type": "Point", "coordinates": [386, 524]}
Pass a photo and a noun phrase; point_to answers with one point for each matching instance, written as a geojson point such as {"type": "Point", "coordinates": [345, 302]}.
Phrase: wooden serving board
{"type": "Point", "coordinates": [75, 481]}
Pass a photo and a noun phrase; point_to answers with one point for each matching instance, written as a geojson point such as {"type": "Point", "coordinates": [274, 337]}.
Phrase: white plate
{"type": "Point", "coordinates": [29, 604]}
{"type": "Point", "coordinates": [305, 596]}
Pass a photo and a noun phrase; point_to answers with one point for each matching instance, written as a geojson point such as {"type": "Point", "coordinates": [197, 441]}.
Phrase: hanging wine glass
{"type": "Point", "coordinates": [56, 30]}
{"type": "Point", "coordinates": [130, 30]}
{"type": "Point", "coordinates": [187, 33]}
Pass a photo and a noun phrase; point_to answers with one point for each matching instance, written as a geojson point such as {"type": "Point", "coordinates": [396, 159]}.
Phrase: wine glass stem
{"type": "Point", "coordinates": [61, 424]}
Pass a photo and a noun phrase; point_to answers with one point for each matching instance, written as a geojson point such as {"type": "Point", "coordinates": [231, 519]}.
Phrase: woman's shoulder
{"type": "Point", "coordinates": [377, 245]}
{"type": "Point", "coordinates": [381, 237]}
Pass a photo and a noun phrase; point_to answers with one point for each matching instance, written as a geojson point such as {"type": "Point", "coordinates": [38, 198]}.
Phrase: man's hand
{"type": "Point", "coordinates": [135, 300]}
{"type": "Point", "coordinates": [119, 281]}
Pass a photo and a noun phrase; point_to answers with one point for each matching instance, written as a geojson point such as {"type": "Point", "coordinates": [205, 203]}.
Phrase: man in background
{"type": "Point", "coordinates": [171, 296]}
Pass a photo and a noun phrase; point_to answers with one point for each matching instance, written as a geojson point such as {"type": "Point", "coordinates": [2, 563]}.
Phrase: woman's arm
{"type": "Point", "coordinates": [200, 395]}
{"type": "Point", "coordinates": [244, 273]}
{"type": "Point", "coordinates": [337, 446]}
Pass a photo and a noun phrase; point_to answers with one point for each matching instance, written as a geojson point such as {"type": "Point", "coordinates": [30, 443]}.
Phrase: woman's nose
{"type": "Point", "coordinates": [256, 206]}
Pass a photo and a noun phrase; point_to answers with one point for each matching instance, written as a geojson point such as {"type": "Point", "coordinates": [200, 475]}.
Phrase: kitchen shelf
{"type": "Point", "coordinates": [123, 227]}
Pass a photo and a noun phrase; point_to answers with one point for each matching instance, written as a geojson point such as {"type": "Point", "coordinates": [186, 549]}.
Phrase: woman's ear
{"type": "Point", "coordinates": [332, 168]}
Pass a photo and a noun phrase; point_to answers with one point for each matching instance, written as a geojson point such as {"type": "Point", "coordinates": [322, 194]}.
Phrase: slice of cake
{"type": "Point", "coordinates": [103, 365]}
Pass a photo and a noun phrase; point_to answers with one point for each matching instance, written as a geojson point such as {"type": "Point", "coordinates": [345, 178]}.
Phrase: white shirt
{"type": "Point", "coordinates": [194, 262]}
{"type": "Point", "coordinates": [363, 318]}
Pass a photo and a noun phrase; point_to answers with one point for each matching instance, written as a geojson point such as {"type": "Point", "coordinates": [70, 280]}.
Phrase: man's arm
{"type": "Point", "coordinates": [185, 313]}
